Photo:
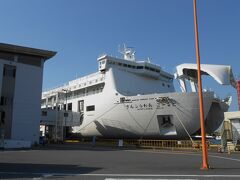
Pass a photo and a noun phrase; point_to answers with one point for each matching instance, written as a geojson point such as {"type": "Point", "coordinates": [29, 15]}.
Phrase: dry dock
{"type": "Point", "coordinates": [85, 162]}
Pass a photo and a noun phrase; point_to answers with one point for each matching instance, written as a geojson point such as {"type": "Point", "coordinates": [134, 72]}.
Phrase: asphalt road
{"type": "Point", "coordinates": [81, 162]}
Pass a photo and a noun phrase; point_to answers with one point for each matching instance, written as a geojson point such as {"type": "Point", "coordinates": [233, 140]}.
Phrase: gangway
{"type": "Point", "coordinates": [55, 122]}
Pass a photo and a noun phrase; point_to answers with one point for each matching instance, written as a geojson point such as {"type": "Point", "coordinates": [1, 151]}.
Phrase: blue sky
{"type": "Point", "coordinates": [81, 30]}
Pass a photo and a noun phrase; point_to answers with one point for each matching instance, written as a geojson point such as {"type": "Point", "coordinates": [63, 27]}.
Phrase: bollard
{"type": "Point", "coordinates": [120, 143]}
{"type": "Point", "coordinates": [94, 141]}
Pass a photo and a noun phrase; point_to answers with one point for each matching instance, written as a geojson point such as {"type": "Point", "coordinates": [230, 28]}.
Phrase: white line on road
{"type": "Point", "coordinates": [183, 153]}
{"type": "Point", "coordinates": [125, 175]}
{"type": "Point", "coordinates": [143, 179]}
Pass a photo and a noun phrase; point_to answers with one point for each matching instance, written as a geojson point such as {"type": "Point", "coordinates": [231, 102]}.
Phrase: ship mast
{"type": "Point", "coordinates": [128, 53]}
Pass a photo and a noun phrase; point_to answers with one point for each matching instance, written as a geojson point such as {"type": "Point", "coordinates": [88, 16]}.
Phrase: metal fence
{"type": "Point", "coordinates": [146, 143]}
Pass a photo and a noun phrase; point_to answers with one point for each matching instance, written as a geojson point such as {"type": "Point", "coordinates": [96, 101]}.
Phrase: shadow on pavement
{"type": "Point", "coordinates": [23, 170]}
{"type": "Point", "coordinates": [87, 147]}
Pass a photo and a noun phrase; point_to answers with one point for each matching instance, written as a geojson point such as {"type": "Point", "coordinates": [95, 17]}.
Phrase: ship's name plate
{"type": "Point", "coordinates": [148, 103]}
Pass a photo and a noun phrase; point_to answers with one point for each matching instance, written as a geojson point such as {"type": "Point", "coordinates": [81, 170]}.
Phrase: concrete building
{"type": "Point", "coordinates": [21, 74]}
{"type": "Point", "coordinates": [230, 133]}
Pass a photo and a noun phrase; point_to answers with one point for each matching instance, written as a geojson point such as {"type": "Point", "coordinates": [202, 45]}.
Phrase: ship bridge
{"type": "Point", "coordinates": [130, 64]}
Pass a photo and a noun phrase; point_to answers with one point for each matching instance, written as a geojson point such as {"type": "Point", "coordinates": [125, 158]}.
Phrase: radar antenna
{"type": "Point", "coordinates": [127, 52]}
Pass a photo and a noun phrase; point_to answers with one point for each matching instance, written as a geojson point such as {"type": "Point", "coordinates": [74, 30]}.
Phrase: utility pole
{"type": "Point", "coordinates": [65, 113]}
{"type": "Point", "coordinates": [205, 165]}
{"type": "Point", "coordinates": [57, 118]}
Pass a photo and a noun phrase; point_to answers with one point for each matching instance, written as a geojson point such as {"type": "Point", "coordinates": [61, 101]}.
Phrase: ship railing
{"type": "Point", "coordinates": [85, 78]}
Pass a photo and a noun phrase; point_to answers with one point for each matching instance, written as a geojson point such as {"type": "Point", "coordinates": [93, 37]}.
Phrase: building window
{"type": "Point", "coordinates": [3, 101]}
{"type": "Point", "coordinates": [90, 108]}
{"type": "Point", "coordinates": [44, 113]}
{"type": "Point", "coordinates": [3, 115]}
{"type": "Point", "coordinates": [6, 56]}
{"type": "Point", "coordinates": [9, 71]}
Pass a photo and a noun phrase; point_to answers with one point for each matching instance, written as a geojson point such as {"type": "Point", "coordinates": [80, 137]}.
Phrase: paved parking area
{"type": "Point", "coordinates": [82, 162]}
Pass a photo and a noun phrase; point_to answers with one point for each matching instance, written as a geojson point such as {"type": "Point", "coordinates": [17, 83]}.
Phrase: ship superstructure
{"type": "Point", "coordinates": [131, 99]}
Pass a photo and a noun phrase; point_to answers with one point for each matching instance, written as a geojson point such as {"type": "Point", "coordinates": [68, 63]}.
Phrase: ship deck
{"type": "Point", "coordinates": [86, 162]}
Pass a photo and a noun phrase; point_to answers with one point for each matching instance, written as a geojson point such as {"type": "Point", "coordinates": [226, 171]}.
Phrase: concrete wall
{"type": "Point", "coordinates": [27, 101]}
{"type": "Point", "coordinates": [234, 119]}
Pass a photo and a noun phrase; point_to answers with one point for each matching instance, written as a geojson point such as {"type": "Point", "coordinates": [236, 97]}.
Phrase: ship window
{"type": "Point", "coordinates": [122, 99]}
{"type": "Point", "coordinates": [90, 108]}
{"type": "Point", "coordinates": [129, 66]}
{"type": "Point", "coordinates": [119, 64]}
{"type": "Point", "coordinates": [103, 62]}
{"type": "Point", "coordinates": [168, 86]}
{"type": "Point", "coordinates": [134, 67]}
{"type": "Point", "coordinates": [80, 106]}
{"type": "Point", "coordinates": [146, 67]}
{"type": "Point", "coordinates": [163, 84]}
{"type": "Point", "coordinates": [157, 70]}
{"type": "Point", "coordinates": [139, 67]}
{"type": "Point", "coordinates": [125, 65]}
{"type": "Point", "coordinates": [69, 106]}
{"type": "Point", "coordinates": [152, 69]}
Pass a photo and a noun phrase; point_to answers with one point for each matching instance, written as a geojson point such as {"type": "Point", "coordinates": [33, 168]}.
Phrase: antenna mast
{"type": "Point", "coordinates": [128, 53]}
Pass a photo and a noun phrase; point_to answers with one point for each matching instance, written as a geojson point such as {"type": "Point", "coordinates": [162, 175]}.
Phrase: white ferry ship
{"type": "Point", "coordinates": [127, 98]}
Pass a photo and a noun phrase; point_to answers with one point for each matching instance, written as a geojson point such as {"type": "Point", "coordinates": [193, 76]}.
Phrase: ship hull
{"type": "Point", "coordinates": [168, 115]}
